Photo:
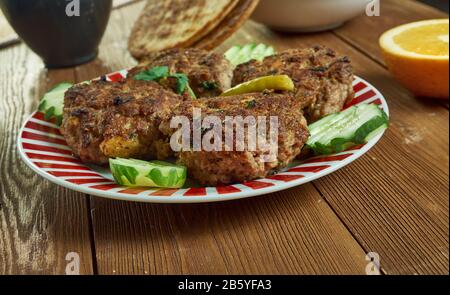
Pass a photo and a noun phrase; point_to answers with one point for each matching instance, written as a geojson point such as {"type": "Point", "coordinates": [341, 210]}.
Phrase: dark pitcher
{"type": "Point", "coordinates": [62, 32]}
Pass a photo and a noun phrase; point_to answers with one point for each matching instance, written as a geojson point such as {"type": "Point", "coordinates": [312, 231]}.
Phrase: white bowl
{"type": "Point", "coordinates": [307, 15]}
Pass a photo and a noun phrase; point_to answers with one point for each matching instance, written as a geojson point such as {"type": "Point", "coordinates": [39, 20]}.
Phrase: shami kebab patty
{"type": "Point", "coordinates": [131, 119]}
{"type": "Point", "coordinates": [209, 73]}
{"type": "Point", "coordinates": [223, 167]}
{"type": "Point", "coordinates": [103, 120]}
{"type": "Point", "coordinates": [323, 80]}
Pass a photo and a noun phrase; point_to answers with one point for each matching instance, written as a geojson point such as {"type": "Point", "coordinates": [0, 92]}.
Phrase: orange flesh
{"type": "Point", "coordinates": [427, 40]}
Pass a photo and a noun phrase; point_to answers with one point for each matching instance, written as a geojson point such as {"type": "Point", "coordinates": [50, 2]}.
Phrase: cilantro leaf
{"type": "Point", "coordinates": [158, 73]}
{"type": "Point", "coordinates": [209, 85]}
{"type": "Point", "coordinates": [191, 92]}
{"type": "Point", "coordinates": [251, 104]}
{"type": "Point", "coordinates": [182, 82]}
{"type": "Point", "coordinates": [153, 74]}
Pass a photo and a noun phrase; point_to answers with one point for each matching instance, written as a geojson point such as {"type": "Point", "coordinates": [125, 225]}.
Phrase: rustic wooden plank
{"type": "Point", "coordinates": [39, 222]}
{"type": "Point", "coordinates": [364, 31]}
{"type": "Point", "coordinates": [294, 232]}
{"type": "Point", "coordinates": [395, 211]}
{"type": "Point", "coordinates": [393, 13]}
{"type": "Point", "coordinates": [395, 199]}
{"type": "Point", "coordinates": [290, 232]}
{"type": "Point", "coordinates": [406, 212]}
{"type": "Point", "coordinates": [435, 250]}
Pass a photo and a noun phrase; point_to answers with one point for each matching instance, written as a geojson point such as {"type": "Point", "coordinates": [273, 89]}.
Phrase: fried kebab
{"type": "Point", "coordinates": [323, 80]}
{"type": "Point", "coordinates": [131, 119]}
{"type": "Point", "coordinates": [231, 163]}
{"type": "Point", "coordinates": [103, 120]}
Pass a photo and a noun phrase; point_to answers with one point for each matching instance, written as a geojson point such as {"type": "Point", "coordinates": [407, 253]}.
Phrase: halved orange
{"type": "Point", "coordinates": [417, 54]}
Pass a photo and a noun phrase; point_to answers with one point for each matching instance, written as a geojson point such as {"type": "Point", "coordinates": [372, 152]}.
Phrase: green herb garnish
{"type": "Point", "coordinates": [191, 92]}
{"type": "Point", "coordinates": [153, 74]}
{"type": "Point", "coordinates": [182, 82]}
{"type": "Point", "coordinates": [251, 104]}
{"type": "Point", "coordinates": [158, 73]}
{"type": "Point", "coordinates": [209, 85]}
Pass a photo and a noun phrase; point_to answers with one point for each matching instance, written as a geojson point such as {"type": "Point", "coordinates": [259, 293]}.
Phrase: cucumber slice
{"type": "Point", "coordinates": [338, 132]}
{"type": "Point", "coordinates": [245, 53]}
{"type": "Point", "coordinates": [277, 82]}
{"type": "Point", "coordinates": [132, 172]}
{"type": "Point", "coordinates": [232, 53]}
{"type": "Point", "coordinates": [268, 52]}
{"type": "Point", "coordinates": [316, 127]}
{"type": "Point", "coordinates": [238, 55]}
{"type": "Point", "coordinates": [52, 102]}
{"type": "Point", "coordinates": [258, 52]}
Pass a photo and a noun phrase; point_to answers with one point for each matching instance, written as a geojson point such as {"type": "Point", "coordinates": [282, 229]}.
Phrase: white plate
{"type": "Point", "coordinates": [45, 151]}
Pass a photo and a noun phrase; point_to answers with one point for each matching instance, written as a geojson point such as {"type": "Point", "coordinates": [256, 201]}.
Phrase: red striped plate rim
{"type": "Point", "coordinates": [43, 149]}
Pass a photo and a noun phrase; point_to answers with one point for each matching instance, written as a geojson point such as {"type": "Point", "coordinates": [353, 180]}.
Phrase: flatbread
{"type": "Point", "coordinates": [234, 20]}
{"type": "Point", "coordinates": [175, 23]}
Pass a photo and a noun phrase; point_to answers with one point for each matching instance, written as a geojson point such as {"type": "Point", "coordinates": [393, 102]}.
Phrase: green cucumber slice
{"type": "Point", "coordinates": [132, 172]}
{"type": "Point", "coordinates": [238, 55]}
{"type": "Point", "coordinates": [338, 132]}
{"type": "Point", "coordinates": [246, 52]}
{"type": "Point", "coordinates": [52, 102]}
{"type": "Point", "coordinates": [258, 51]}
{"type": "Point", "coordinates": [318, 126]}
{"type": "Point", "coordinates": [231, 53]}
{"type": "Point", "coordinates": [268, 52]}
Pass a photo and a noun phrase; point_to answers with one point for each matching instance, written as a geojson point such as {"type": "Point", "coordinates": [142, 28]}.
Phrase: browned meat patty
{"type": "Point", "coordinates": [104, 119]}
{"type": "Point", "coordinates": [209, 73]}
{"type": "Point", "coordinates": [323, 80]}
{"type": "Point", "coordinates": [228, 166]}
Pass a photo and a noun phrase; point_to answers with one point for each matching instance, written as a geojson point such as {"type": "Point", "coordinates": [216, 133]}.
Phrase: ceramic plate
{"type": "Point", "coordinates": [45, 151]}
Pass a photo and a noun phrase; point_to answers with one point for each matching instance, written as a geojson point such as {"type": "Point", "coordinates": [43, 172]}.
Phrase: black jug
{"type": "Point", "coordinates": [62, 32]}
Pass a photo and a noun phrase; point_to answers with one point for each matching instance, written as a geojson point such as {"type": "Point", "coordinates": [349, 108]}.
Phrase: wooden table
{"type": "Point", "coordinates": [393, 201]}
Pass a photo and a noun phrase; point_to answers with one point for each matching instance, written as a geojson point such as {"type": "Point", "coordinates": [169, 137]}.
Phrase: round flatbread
{"type": "Point", "coordinates": [232, 22]}
{"type": "Point", "coordinates": [175, 23]}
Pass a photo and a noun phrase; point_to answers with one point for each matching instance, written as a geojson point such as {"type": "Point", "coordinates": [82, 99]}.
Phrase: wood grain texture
{"type": "Point", "coordinates": [393, 13]}
{"type": "Point", "coordinates": [293, 232]}
{"type": "Point", "coordinates": [429, 209]}
{"type": "Point", "coordinates": [399, 211]}
{"type": "Point", "coordinates": [395, 199]}
{"type": "Point", "coordinates": [39, 222]}
{"type": "Point", "coordinates": [364, 31]}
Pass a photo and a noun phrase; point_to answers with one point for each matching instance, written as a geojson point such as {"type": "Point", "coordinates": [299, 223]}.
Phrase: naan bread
{"type": "Point", "coordinates": [176, 23]}
{"type": "Point", "coordinates": [234, 20]}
